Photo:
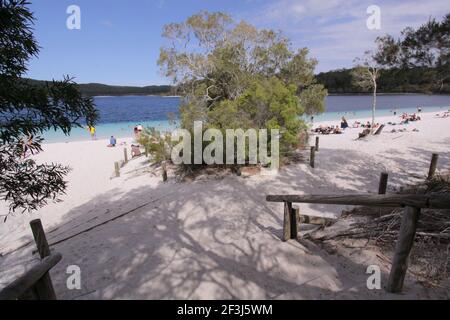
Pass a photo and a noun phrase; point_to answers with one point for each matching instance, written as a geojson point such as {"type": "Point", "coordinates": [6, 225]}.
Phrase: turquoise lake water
{"type": "Point", "coordinates": [119, 115]}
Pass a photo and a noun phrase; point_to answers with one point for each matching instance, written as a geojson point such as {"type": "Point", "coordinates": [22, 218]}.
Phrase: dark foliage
{"type": "Point", "coordinates": [392, 80]}
{"type": "Point", "coordinates": [418, 61]}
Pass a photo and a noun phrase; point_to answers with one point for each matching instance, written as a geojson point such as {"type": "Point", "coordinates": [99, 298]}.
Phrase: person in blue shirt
{"type": "Point", "coordinates": [112, 142]}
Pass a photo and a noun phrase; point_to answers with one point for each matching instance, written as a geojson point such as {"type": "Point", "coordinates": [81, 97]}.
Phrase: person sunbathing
{"type": "Point", "coordinates": [112, 142]}
{"type": "Point", "coordinates": [337, 130]}
{"type": "Point", "coordinates": [364, 134]}
{"type": "Point", "coordinates": [356, 124]}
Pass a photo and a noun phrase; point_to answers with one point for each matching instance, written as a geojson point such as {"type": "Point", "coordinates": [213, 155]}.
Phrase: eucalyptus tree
{"type": "Point", "coordinates": [233, 74]}
{"type": "Point", "coordinates": [426, 47]}
{"type": "Point", "coordinates": [365, 75]}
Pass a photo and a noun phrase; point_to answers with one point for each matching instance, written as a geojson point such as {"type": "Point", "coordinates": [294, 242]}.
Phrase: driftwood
{"type": "Point", "coordinates": [320, 221]}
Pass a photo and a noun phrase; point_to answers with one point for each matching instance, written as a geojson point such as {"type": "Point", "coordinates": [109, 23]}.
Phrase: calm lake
{"type": "Point", "coordinates": [119, 115]}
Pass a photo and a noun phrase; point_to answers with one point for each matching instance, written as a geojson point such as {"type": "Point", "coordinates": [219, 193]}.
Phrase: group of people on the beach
{"type": "Point", "coordinates": [323, 129]}
{"type": "Point", "coordinates": [446, 114]}
{"type": "Point", "coordinates": [112, 140]}
{"type": "Point", "coordinates": [366, 125]}
{"type": "Point", "coordinates": [135, 148]}
{"type": "Point", "coordinates": [406, 118]}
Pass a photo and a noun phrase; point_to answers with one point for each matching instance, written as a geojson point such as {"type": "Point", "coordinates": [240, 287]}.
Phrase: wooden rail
{"type": "Point", "coordinates": [412, 202]}
{"type": "Point", "coordinates": [25, 286]}
{"type": "Point", "coordinates": [36, 283]}
{"type": "Point", "coordinates": [389, 201]}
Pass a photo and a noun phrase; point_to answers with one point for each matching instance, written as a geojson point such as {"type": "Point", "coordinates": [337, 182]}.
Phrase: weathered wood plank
{"type": "Point", "coordinates": [294, 222]}
{"type": "Point", "coordinates": [43, 287]}
{"type": "Point", "coordinates": [117, 169]}
{"type": "Point", "coordinates": [164, 172]}
{"type": "Point", "coordinates": [287, 221]}
{"type": "Point", "coordinates": [433, 166]}
{"type": "Point", "coordinates": [434, 201]}
{"type": "Point", "coordinates": [383, 183]}
{"type": "Point", "coordinates": [404, 244]}
{"type": "Point", "coordinates": [312, 159]}
{"type": "Point", "coordinates": [23, 284]}
{"type": "Point", "coordinates": [125, 155]}
{"type": "Point", "coordinates": [320, 221]}
{"type": "Point", "coordinates": [40, 238]}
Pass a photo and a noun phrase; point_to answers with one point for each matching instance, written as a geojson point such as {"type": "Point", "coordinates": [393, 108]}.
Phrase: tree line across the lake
{"type": "Point", "coordinates": [336, 82]}
{"type": "Point", "coordinates": [98, 89]}
{"type": "Point", "coordinates": [395, 80]}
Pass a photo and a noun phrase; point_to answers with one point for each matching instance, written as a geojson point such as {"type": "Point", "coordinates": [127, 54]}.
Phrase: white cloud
{"type": "Point", "coordinates": [336, 31]}
{"type": "Point", "coordinates": [107, 23]}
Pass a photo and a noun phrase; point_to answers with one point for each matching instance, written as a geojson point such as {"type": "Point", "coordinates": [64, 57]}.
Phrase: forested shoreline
{"type": "Point", "coordinates": [391, 81]}
{"type": "Point", "coordinates": [98, 89]}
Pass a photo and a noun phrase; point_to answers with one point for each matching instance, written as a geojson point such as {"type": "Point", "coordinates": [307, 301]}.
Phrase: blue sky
{"type": "Point", "coordinates": [119, 41]}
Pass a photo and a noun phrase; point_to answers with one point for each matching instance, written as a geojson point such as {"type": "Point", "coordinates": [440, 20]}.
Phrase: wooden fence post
{"type": "Point", "coordinates": [433, 166]}
{"type": "Point", "coordinates": [117, 169]}
{"type": "Point", "coordinates": [287, 221]}
{"type": "Point", "coordinates": [146, 151]}
{"type": "Point", "coordinates": [125, 155]}
{"type": "Point", "coordinates": [43, 288]}
{"type": "Point", "coordinates": [23, 288]}
{"type": "Point", "coordinates": [312, 157]}
{"type": "Point", "coordinates": [317, 144]}
{"type": "Point", "coordinates": [164, 170]}
{"type": "Point", "coordinates": [403, 248]}
{"type": "Point", "coordinates": [383, 183]}
{"type": "Point", "coordinates": [295, 214]}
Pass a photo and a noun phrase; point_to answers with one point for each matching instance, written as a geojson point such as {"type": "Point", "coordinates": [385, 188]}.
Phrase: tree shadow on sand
{"type": "Point", "coordinates": [219, 239]}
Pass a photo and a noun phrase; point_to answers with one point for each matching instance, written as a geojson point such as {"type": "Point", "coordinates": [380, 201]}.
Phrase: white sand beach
{"type": "Point", "coordinates": [135, 237]}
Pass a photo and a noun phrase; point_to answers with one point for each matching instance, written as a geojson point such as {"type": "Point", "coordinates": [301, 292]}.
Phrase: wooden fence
{"type": "Point", "coordinates": [413, 203]}
{"type": "Point", "coordinates": [36, 283]}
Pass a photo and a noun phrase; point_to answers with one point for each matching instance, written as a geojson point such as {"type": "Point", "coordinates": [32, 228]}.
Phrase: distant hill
{"type": "Point", "coordinates": [98, 89]}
